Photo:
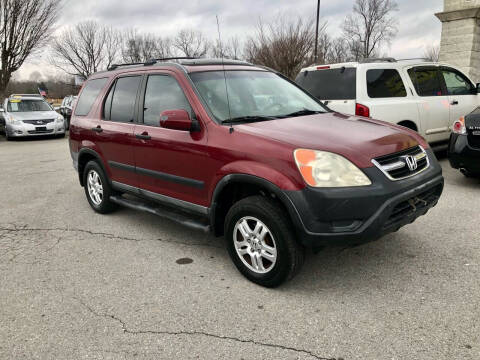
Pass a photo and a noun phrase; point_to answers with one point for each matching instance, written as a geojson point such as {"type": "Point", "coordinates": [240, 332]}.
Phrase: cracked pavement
{"type": "Point", "coordinates": [77, 285]}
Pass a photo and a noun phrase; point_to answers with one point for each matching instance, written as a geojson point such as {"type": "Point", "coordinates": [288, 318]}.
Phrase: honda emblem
{"type": "Point", "coordinates": [411, 162]}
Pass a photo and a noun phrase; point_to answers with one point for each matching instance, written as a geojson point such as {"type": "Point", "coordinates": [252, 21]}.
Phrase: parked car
{"type": "Point", "coordinates": [66, 108]}
{"type": "Point", "coordinates": [265, 164]}
{"type": "Point", "coordinates": [30, 115]}
{"type": "Point", "coordinates": [422, 96]}
{"type": "Point", "coordinates": [464, 148]}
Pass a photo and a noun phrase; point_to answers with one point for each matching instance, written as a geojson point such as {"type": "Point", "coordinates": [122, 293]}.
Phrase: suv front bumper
{"type": "Point", "coordinates": [346, 216]}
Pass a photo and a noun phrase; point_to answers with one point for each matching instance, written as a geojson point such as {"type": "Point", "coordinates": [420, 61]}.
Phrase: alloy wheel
{"type": "Point", "coordinates": [95, 187]}
{"type": "Point", "coordinates": [255, 245]}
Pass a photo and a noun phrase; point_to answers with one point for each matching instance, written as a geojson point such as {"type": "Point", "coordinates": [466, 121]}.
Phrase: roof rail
{"type": "Point", "coordinates": [372, 60]}
{"type": "Point", "coordinates": [419, 58]}
{"type": "Point", "coordinates": [29, 95]}
{"type": "Point", "coordinates": [116, 66]}
{"type": "Point", "coordinates": [149, 62]}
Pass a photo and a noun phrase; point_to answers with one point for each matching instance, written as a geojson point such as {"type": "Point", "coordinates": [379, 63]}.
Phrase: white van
{"type": "Point", "coordinates": [423, 96]}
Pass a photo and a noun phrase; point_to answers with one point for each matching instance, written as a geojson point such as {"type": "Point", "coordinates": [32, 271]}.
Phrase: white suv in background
{"type": "Point", "coordinates": [423, 96]}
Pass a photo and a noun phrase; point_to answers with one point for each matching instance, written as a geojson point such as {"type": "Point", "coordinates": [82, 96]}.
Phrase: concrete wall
{"type": "Point", "coordinates": [460, 44]}
{"type": "Point", "coordinates": [450, 5]}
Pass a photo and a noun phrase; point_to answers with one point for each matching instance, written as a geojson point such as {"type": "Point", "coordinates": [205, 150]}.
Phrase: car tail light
{"type": "Point", "coordinates": [362, 110]}
{"type": "Point", "coordinates": [323, 67]}
{"type": "Point", "coordinates": [459, 126]}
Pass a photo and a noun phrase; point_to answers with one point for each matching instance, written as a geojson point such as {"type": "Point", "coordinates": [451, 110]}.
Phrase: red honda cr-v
{"type": "Point", "coordinates": [242, 151]}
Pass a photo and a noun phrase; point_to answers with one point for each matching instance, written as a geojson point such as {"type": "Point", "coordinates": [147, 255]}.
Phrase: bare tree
{"type": "Point", "coordinates": [432, 53]}
{"type": "Point", "coordinates": [143, 47]}
{"type": "Point", "coordinates": [370, 26]}
{"type": "Point", "coordinates": [25, 25]}
{"type": "Point", "coordinates": [86, 48]}
{"type": "Point", "coordinates": [232, 49]}
{"type": "Point", "coordinates": [191, 43]}
{"type": "Point", "coordinates": [284, 45]}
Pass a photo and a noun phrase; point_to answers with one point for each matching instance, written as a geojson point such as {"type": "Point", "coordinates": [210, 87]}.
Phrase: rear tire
{"type": "Point", "coordinates": [470, 174]}
{"type": "Point", "coordinates": [261, 241]}
{"type": "Point", "coordinates": [97, 188]}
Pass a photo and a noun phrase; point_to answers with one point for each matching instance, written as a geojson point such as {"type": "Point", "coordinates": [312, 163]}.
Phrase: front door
{"type": "Point", "coordinates": [434, 105]}
{"type": "Point", "coordinates": [169, 162]}
{"type": "Point", "coordinates": [462, 93]}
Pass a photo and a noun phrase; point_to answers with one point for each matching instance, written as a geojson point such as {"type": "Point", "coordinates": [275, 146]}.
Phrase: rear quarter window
{"type": "Point", "coordinates": [333, 84]}
{"type": "Point", "coordinates": [89, 94]}
{"type": "Point", "coordinates": [385, 83]}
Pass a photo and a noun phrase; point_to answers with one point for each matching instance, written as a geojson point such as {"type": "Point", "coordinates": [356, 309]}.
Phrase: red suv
{"type": "Point", "coordinates": [242, 151]}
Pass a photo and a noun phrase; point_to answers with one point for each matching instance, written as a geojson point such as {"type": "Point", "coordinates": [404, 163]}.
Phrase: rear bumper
{"type": "Point", "coordinates": [463, 156]}
{"type": "Point", "coordinates": [357, 215]}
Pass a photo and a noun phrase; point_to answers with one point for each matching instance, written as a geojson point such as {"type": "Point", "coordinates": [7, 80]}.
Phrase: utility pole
{"type": "Point", "coordinates": [316, 31]}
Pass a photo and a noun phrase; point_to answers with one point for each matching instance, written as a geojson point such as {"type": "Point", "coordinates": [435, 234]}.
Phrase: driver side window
{"type": "Point", "coordinates": [162, 93]}
{"type": "Point", "coordinates": [457, 83]}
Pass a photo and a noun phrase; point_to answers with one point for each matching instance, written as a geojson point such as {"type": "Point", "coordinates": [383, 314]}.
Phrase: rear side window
{"type": "Point", "coordinates": [123, 99]}
{"type": "Point", "coordinates": [333, 84]}
{"type": "Point", "coordinates": [385, 83]}
{"type": "Point", "coordinates": [162, 93]}
{"type": "Point", "coordinates": [89, 94]}
{"type": "Point", "coordinates": [426, 81]}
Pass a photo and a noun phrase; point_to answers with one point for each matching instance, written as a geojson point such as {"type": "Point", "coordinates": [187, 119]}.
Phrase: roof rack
{"type": "Point", "coordinates": [183, 60]}
{"type": "Point", "coordinates": [372, 60]}
{"type": "Point", "coordinates": [149, 62]}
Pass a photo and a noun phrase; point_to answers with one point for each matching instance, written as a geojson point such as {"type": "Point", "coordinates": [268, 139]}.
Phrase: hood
{"type": "Point", "coordinates": [357, 139]}
{"type": "Point", "coordinates": [34, 115]}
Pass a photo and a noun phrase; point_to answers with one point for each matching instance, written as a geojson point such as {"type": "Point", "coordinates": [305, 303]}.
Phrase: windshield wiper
{"type": "Point", "coordinates": [248, 119]}
{"type": "Point", "coordinates": [302, 113]}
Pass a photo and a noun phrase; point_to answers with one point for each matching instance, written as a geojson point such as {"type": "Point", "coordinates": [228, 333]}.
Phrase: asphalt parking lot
{"type": "Point", "coordinates": [77, 285]}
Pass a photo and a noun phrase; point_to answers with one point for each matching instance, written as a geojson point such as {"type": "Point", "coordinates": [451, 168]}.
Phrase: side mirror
{"type": "Point", "coordinates": [176, 120]}
{"type": "Point", "coordinates": [56, 108]}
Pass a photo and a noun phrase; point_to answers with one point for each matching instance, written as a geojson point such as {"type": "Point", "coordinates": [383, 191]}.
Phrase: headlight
{"type": "Point", "coordinates": [13, 121]}
{"type": "Point", "coordinates": [325, 169]}
{"type": "Point", "coordinates": [60, 120]}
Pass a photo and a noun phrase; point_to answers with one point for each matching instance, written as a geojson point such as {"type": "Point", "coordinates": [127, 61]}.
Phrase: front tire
{"type": "Point", "coordinates": [261, 241]}
{"type": "Point", "coordinates": [97, 188]}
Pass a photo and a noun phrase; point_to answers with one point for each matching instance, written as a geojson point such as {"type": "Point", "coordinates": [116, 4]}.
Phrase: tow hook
{"type": "Point", "coordinates": [413, 203]}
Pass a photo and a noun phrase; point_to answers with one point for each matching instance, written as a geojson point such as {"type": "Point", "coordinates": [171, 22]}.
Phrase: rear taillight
{"type": "Point", "coordinates": [459, 126]}
{"type": "Point", "coordinates": [362, 110]}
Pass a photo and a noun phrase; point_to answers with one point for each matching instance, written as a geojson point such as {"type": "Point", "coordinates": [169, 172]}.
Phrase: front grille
{"type": "Point", "coordinates": [416, 204]}
{"type": "Point", "coordinates": [40, 131]}
{"type": "Point", "coordinates": [39, 122]}
{"type": "Point", "coordinates": [473, 131]}
{"type": "Point", "coordinates": [403, 164]}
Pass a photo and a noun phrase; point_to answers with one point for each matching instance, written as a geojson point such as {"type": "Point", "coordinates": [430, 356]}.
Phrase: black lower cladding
{"type": "Point", "coordinates": [462, 155]}
{"type": "Point", "coordinates": [341, 216]}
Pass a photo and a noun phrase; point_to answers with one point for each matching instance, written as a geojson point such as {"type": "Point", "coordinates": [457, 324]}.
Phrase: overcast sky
{"type": "Point", "coordinates": [417, 25]}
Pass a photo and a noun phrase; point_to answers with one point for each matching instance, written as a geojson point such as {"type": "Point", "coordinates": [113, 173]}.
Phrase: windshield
{"type": "Point", "coordinates": [252, 94]}
{"type": "Point", "coordinates": [19, 105]}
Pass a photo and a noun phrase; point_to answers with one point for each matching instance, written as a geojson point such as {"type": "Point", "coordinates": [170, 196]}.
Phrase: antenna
{"type": "Point", "coordinates": [224, 74]}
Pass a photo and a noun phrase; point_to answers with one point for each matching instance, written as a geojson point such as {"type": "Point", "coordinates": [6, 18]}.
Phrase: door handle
{"type": "Point", "coordinates": [143, 136]}
{"type": "Point", "coordinates": [454, 102]}
{"type": "Point", "coordinates": [97, 129]}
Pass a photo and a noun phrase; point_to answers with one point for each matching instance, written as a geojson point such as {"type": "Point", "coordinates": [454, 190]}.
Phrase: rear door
{"type": "Point", "coordinates": [337, 87]}
{"type": "Point", "coordinates": [169, 162]}
{"type": "Point", "coordinates": [433, 105]}
{"type": "Point", "coordinates": [462, 93]}
{"type": "Point", "coordinates": [115, 132]}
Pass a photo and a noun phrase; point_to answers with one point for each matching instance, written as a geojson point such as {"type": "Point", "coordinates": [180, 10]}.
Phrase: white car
{"type": "Point", "coordinates": [30, 115]}
{"type": "Point", "coordinates": [423, 96]}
